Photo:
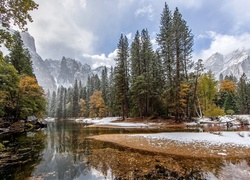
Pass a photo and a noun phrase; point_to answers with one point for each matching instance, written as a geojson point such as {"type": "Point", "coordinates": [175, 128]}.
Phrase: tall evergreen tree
{"type": "Point", "coordinates": [52, 111]}
{"type": "Point", "coordinates": [59, 107]}
{"type": "Point", "coordinates": [111, 94]}
{"type": "Point", "coordinates": [122, 76]}
{"type": "Point", "coordinates": [175, 41]}
{"type": "Point", "coordinates": [75, 100]}
{"type": "Point", "coordinates": [157, 85]}
{"type": "Point", "coordinates": [147, 56]}
{"type": "Point", "coordinates": [243, 95]}
{"type": "Point", "coordinates": [104, 85]}
{"type": "Point", "coordinates": [165, 42]}
{"type": "Point", "coordinates": [20, 57]}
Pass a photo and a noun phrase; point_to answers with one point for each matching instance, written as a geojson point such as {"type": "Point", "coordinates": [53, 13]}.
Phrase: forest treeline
{"type": "Point", "coordinates": [146, 82]}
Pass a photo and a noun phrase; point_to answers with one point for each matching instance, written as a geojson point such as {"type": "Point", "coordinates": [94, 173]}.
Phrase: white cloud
{"type": "Point", "coordinates": [129, 36]}
{"type": "Point", "coordinates": [186, 4]}
{"type": "Point", "coordinates": [57, 31]}
{"type": "Point", "coordinates": [83, 3]}
{"type": "Point", "coordinates": [238, 12]}
{"type": "Point", "coordinates": [145, 10]}
{"type": "Point", "coordinates": [102, 59]}
{"type": "Point", "coordinates": [224, 44]}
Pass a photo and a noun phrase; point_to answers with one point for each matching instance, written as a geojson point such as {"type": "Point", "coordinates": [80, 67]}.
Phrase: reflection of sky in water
{"type": "Point", "coordinates": [69, 155]}
{"type": "Point", "coordinates": [60, 159]}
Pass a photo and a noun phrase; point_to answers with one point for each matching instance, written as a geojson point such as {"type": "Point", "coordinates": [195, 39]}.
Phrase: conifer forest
{"type": "Point", "coordinates": [147, 82]}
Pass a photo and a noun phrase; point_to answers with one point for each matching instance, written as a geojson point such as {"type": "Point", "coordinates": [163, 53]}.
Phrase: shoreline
{"type": "Point", "coordinates": [174, 147]}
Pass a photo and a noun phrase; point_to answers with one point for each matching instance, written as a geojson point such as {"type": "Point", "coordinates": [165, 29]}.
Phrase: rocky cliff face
{"type": "Point", "coordinates": [52, 74]}
{"type": "Point", "coordinates": [41, 71]}
{"type": "Point", "coordinates": [235, 63]}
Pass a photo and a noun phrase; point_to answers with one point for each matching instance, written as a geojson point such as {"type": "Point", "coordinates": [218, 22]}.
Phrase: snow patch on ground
{"type": "Point", "coordinates": [234, 138]}
{"type": "Point", "coordinates": [110, 121]}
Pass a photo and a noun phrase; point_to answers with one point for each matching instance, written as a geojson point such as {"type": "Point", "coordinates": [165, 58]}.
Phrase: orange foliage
{"type": "Point", "coordinates": [227, 86]}
{"type": "Point", "coordinates": [183, 94]}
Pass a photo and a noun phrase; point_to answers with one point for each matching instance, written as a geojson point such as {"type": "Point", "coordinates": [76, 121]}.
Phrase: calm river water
{"type": "Point", "coordinates": [64, 151]}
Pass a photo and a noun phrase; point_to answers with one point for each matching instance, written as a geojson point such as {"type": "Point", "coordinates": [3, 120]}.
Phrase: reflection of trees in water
{"type": "Point", "coordinates": [64, 157]}
{"type": "Point", "coordinates": [71, 155]}
{"type": "Point", "coordinates": [122, 163]}
{"type": "Point", "coordinates": [25, 151]}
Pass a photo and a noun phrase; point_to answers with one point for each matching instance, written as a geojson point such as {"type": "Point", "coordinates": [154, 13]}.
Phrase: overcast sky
{"type": "Point", "coordinates": [89, 30]}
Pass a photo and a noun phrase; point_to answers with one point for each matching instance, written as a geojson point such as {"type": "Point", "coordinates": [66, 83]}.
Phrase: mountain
{"type": "Point", "coordinates": [235, 63]}
{"type": "Point", "coordinates": [41, 70]}
{"type": "Point", "coordinates": [65, 71]}
{"type": "Point", "coordinates": [52, 74]}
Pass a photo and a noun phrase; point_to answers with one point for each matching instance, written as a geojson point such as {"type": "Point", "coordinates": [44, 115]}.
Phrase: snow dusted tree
{"type": "Point", "coordinates": [75, 100]}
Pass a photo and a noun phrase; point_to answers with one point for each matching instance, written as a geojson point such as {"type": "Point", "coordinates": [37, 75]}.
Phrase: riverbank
{"type": "Point", "coordinates": [224, 144]}
{"type": "Point", "coordinates": [20, 126]}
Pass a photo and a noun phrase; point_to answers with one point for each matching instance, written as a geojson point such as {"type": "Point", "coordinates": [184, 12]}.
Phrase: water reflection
{"type": "Point", "coordinates": [23, 152]}
{"type": "Point", "coordinates": [115, 163]}
{"type": "Point", "coordinates": [68, 153]}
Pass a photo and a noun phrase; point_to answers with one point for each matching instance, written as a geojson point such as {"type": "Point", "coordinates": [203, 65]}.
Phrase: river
{"type": "Point", "coordinates": [64, 151]}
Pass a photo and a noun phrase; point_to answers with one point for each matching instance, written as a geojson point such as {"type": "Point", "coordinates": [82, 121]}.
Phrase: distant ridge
{"type": "Point", "coordinates": [235, 63]}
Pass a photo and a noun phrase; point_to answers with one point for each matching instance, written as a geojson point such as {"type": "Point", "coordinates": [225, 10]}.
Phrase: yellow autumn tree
{"type": "Point", "coordinates": [184, 88]}
{"type": "Point", "coordinates": [227, 86]}
{"type": "Point", "coordinates": [31, 98]}
{"type": "Point", "coordinates": [96, 105]}
{"type": "Point", "coordinates": [82, 105]}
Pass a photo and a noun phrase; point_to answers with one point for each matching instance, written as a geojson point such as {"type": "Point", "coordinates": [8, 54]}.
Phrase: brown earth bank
{"type": "Point", "coordinates": [171, 147]}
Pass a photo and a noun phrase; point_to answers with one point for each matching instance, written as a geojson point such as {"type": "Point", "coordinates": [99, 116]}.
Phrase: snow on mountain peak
{"type": "Point", "coordinates": [235, 63]}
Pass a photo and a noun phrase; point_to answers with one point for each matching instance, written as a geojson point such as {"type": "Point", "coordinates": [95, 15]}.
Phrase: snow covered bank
{"type": "Point", "coordinates": [109, 121]}
{"type": "Point", "coordinates": [227, 144]}
{"type": "Point", "coordinates": [223, 138]}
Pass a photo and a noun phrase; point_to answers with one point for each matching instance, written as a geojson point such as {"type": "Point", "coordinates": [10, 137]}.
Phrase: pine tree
{"type": "Point", "coordinates": [75, 100]}
{"type": "Point", "coordinates": [157, 85]}
{"type": "Point", "coordinates": [104, 85]}
{"type": "Point", "coordinates": [59, 109]}
{"type": "Point", "coordinates": [20, 57]}
{"type": "Point", "coordinates": [175, 41]}
{"type": "Point", "coordinates": [122, 76]}
{"type": "Point", "coordinates": [243, 95]}
{"type": "Point", "coordinates": [165, 42]}
{"type": "Point", "coordinates": [52, 111]}
{"type": "Point", "coordinates": [147, 56]}
{"type": "Point", "coordinates": [112, 105]}
{"type": "Point", "coordinates": [136, 79]}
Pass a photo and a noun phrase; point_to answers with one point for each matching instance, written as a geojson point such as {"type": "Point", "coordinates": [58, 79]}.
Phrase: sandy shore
{"type": "Point", "coordinates": [172, 147]}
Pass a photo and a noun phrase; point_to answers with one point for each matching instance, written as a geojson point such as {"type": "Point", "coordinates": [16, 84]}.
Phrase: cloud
{"type": "Point", "coordinates": [186, 4]}
{"type": "Point", "coordinates": [224, 44]}
{"type": "Point", "coordinates": [129, 36]}
{"type": "Point", "coordinates": [238, 13]}
{"type": "Point", "coordinates": [93, 27]}
{"type": "Point", "coordinates": [101, 60]}
{"type": "Point", "coordinates": [145, 10]}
